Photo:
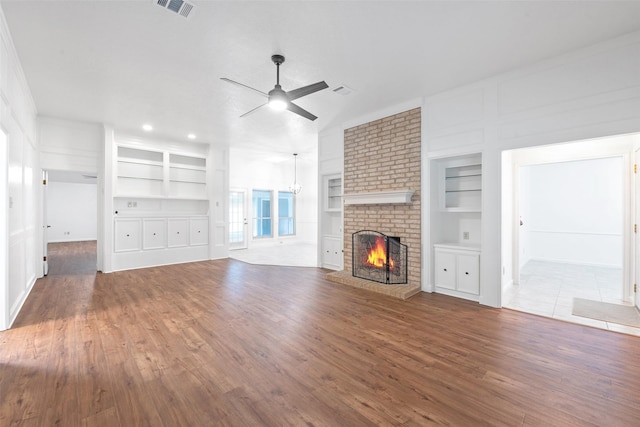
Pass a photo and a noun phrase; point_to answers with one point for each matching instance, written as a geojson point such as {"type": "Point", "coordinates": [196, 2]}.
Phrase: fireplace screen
{"type": "Point", "coordinates": [379, 258]}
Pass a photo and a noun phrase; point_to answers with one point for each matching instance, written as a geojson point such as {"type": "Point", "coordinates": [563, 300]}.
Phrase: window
{"type": "Point", "coordinates": [262, 213]}
{"type": "Point", "coordinates": [286, 214]}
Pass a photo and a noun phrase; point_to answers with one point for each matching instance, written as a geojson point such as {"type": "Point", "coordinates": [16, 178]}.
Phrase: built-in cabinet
{"type": "Point", "coordinates": [457, 270]}
{"type": "Point", "coordinates": [331, 252]}
{"type": "Point", "coordinates": [161, 205]}
{"type": "Point", "coordinates": [455, 224]}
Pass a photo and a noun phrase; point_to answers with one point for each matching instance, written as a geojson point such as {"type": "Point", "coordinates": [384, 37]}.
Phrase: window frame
{"type": "Point", "coordinates": [291, 218]}
{"type": "Point", "coordinates": [255, 218]}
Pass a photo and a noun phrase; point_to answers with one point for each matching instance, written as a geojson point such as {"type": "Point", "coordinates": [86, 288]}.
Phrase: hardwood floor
{"type": "Point", "coordinates": [228, 343]}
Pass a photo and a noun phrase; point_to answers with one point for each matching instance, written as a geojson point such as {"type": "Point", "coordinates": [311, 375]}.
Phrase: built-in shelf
{"type": "Point", "coordinates": [462, 187]}
{"type": "Point", "coordinates": [333, 193]}
{"type": "Point", "coordinates": [148, 173]}
{"type": "Point", "coordinates": [379, 197]}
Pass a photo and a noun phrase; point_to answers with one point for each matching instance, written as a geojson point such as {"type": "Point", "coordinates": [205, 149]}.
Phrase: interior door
{"type": "Point", "coordinates": [238, 224]}
{"type": "Point", "coordinates": [45, 225]}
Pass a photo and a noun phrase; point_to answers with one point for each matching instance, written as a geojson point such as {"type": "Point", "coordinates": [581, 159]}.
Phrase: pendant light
{"type": "Point", "coordinates": [295, 188]}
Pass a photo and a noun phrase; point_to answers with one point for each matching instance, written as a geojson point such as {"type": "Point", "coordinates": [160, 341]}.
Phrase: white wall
{"type": "Point", "coordinates": [71, 210]}
{"type": "Point", "coordinates": [67, 145]}
{"type": "Point", "coordinates": [588, 93]}
{"type": "Point", "coordinates": [22, 216]}
{"type": "Point", "coordinates": [253, 170]}
{"type": "Point", "coordinates": [575, 212]}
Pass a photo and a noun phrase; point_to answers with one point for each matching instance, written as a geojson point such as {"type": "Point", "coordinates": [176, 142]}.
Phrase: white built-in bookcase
{"type": "Point", "coordinates": [160, 204]}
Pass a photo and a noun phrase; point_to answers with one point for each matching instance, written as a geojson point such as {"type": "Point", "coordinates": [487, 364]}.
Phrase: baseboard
{"type": "Point", "coordinates": [591, 264]}
{"type": "Point", "coordinates": [15, 310]}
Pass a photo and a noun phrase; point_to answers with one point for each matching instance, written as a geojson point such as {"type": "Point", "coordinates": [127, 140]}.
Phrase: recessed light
{"type": "Point", "coordinates": [191, 136]}
{"type": "Point", "coordinates": [147, 128]}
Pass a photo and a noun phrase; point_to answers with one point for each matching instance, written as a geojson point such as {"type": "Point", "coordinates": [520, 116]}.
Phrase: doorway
{"type": "Point", "coordinates": [70, 203]}
{"type": "Point", "coordinates": [570, 220]}
{"type": "Point", "coordinates": [238, 224]}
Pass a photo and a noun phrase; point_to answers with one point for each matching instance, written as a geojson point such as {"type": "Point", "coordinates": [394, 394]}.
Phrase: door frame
{"type": "Point", "coordinates": [636, 219]}
{"type": "Point", "coordinates": [45, 225]}
{"type": "Point", "coordinates": [630, 259]}
{"type": "Point", "coordinates": [4, 230]}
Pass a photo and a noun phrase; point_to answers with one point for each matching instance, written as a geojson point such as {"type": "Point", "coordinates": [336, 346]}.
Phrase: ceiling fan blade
{"type": "Point", "coordinates": [300, 111]}
{"type": "Point", "coordinates": [251, 111]}
{"type": "Point", "coordinates": [243, 85]}
{"type": "Point", "coordinates": [306, 90]}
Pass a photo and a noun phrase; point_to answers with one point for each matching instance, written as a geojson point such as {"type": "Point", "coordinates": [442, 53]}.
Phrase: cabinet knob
{"type": "Point", "coordinates": [177, 232]}
{"type": "Point", "coordinates": [466, 272]}
{"type": "Point", "coordinates": [445, 269]}
{"type": "Point", "coordinates": [154, 234]}
{"type": "Point", "coordinates": [198, 231]}
{"type": "Point", "coordinates": [127, 235]}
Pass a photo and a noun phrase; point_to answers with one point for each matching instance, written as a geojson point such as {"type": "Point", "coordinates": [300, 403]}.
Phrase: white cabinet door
{"type": "Point", "coordinates": [178, 232]}
{"type": "Point", "coordinates": [154, 233]}
{"type": "Point", "coordinates": [332, 252]}
{"type": "Point", "coordinates": [467, 273]}
{"type": "Point", "coordinates": [445, 269]}
{"type": "Point", "coordinates": [127, 235]}
{"type": "Point", "coordinates": [199, 231]}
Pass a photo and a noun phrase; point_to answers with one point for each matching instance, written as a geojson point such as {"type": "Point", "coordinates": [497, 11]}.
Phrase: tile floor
{"type": "Point", "coordinates": [294, 254]}
{"type": "Point", "coordinates": [548, 289]}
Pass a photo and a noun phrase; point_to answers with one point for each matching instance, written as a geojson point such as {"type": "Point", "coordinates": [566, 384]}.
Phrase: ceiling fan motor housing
{"type": "Point", "coordinates": [277, 59]}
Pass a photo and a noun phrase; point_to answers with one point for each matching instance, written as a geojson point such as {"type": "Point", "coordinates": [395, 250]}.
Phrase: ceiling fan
{"type": "Point", "coordinates": [278, 99]}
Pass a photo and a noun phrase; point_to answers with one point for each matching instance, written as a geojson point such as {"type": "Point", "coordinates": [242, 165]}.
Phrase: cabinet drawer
{"type": "Point", "coordinates": [445, 265]}
{"type": "Point", "coordinates": [127, 235]}
{"type": "Point", "coordinates": [154, 233]}
{"type": "Point", "coordinates": [199, 231]}
{"type": "Point", "coordinates": [178, 232]}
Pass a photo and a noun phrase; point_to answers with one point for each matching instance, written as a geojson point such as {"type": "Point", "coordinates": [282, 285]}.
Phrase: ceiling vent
{"type": "Point", "coordinates": [343, 90]}
{"type": "Point", "coordinates": [180, 7]}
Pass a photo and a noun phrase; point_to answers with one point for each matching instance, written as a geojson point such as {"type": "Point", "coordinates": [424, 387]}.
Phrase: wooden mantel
{"type": "Point", "coordinates": [379, 197]}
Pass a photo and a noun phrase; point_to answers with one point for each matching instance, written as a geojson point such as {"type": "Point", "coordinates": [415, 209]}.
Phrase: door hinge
{"type": "Point", "coordinates": [635, 168]}
{"type": "Point", "coordinates": [44, 182]}
{"type": "Point", "coordinates": [635, 228]}
{"type": "Point", "coordinates": [635, 287]}
{"type": "Point", "coordinates": [44, 258]}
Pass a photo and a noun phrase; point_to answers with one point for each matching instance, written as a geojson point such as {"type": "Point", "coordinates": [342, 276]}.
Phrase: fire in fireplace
{"type": "Point", "coordinates": [379, 257]}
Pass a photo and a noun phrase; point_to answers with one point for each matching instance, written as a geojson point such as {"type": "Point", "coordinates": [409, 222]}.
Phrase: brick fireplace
{"type": "Point", "coordinates": [384, 156]}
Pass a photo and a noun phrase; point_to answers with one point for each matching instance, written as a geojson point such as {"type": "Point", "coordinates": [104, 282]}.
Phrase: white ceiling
{"type": "Point", "coordinates": [131, 62]}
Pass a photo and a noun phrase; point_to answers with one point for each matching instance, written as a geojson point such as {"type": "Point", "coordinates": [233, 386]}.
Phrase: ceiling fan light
{"type": "Point", "coordinates": [277, 104]}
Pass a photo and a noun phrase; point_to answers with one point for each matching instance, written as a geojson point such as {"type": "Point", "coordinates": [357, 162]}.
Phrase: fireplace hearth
{"type": "Point", "coordinates": [378, 257]}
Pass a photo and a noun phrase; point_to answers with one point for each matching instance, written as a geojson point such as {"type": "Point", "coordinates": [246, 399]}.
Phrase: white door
{"type": "Point", "coordinates": [45, 225]}
{"type": "Point", "coordinates": [238, 223]}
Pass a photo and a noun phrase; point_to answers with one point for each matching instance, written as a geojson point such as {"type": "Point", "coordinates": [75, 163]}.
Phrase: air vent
{"type": "Point", "coordinates": [343, 90]}
{"type": "Point", "coordinates": [180, 7]}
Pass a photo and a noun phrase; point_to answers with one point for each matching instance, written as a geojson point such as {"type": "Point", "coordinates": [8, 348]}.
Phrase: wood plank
{"type": "Point", "coordinates": [228, 343]}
